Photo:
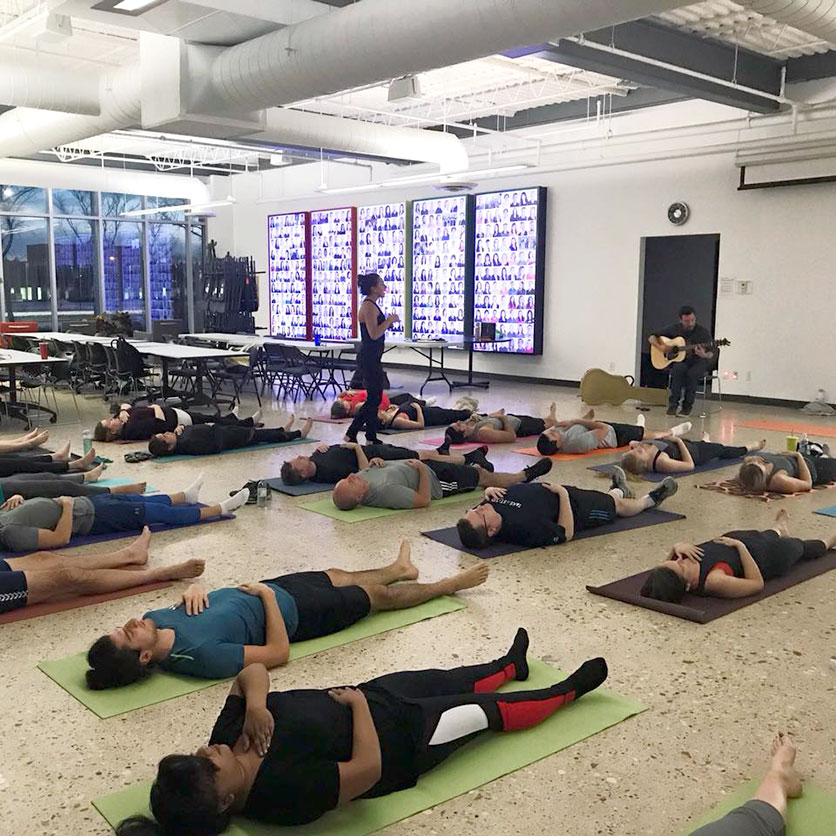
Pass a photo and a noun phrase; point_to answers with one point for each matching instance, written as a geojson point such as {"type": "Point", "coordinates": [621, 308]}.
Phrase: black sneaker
{"type": "Point", "coordinates": [671, 409]}
{"type": "Point", "coordinates": [686, 410]}
{"type": "Point", "coordinates": [540, 468]}
{"type": "Point", "coordinates": [667, 489]}
{"type": "Point", "coordinates": [479, 456]}
{"type": "Point", "coordinates": [619, 480]}
{"type": "Point", "coordinates": [252, 487]}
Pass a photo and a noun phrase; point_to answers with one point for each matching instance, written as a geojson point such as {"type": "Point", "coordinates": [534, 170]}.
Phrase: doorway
{"type": "Point", "coordinates": [676, 270]}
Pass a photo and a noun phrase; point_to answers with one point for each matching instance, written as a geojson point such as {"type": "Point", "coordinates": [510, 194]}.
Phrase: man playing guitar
{"type": "Point", "coordinates": [686, 375]}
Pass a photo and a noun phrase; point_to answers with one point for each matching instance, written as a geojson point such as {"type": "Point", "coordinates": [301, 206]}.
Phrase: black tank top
{"type": "Point", "coordinates": [371, 350]}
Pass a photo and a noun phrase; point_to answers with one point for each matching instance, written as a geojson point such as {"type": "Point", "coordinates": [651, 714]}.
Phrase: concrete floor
{"type": "Point", "coordinates": [716, 693]}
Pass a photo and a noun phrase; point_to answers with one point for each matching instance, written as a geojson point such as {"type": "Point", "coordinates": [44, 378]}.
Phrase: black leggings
{"type": "Point", "coordinates": [702, 452]}
{"type": "Point", "coordinates": [32, 485]}
{"type": "Point", "coordinates": [10, 465]}
{"type": "Point", "coordinates": [438, 416]}
{"type": "Point", "coordinates": [227, 420]}
{"type": "Point", "coordinates": [367, 414]}
{"type": "Point", "coordinates": [274, 436]}
{"type": "Point", "coordinates": [825, 468]}
{"type": "Point", "coordinates": [776, 555]}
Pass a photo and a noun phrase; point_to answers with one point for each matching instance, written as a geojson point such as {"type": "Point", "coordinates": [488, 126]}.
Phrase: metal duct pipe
{"type": "Point", "coordinates": [816, 17]}
{"type": "Point", "coordinates": [26, 82]}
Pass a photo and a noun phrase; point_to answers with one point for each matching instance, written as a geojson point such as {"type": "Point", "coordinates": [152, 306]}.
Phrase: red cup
{"type": "Point", "coordinates": [44, 349]}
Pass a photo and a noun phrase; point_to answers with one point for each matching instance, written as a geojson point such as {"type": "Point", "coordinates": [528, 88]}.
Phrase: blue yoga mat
{"type": "Point", "coordinates": [830, 511]}
{"type": "Point", "coordinates": [302, 489]}
{"type": "Point", "coordinates": [715, 464]}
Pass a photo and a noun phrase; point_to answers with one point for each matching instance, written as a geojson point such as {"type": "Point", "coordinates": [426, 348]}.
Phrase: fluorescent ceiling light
{"type": "Point", "coordinates": [460, 175]}
{"type": "Point", "coordinates": [342, 189]}
{"type": "Point", "coordinates": [127, 7]}
{"type": "Point", "coordinates": [188, 207]}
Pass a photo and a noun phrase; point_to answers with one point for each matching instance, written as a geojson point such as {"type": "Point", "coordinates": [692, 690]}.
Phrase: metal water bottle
{"type": "Point", "coordinates": [261, 494]}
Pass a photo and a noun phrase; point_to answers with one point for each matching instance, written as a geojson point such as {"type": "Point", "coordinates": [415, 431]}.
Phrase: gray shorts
{"type": "Point", "coordinates": [754, 818]}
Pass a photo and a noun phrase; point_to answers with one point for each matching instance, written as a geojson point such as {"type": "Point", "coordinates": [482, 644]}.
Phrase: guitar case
{"type": "Point", "coordinates": [600, 387]}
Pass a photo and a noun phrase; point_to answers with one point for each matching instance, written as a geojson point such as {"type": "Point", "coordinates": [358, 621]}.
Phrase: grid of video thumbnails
{"type": "Point", "coordinates": [332, 274]}
{"type": "Point", "coordinates": [287, 275]}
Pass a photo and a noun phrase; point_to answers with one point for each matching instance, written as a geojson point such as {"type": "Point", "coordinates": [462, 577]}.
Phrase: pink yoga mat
{"type": "Point", "coordinates": [437, 441]}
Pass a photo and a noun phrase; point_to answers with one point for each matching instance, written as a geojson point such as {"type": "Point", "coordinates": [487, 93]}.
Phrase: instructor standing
{"type": "Point", "coordinates": [373, 326]}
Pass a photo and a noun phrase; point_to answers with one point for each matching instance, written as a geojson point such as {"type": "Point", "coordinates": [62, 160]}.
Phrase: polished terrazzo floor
{"type": "Point", "coordinates": [716, 693]}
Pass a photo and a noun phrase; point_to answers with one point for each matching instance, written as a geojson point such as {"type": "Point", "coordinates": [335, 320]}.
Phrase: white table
{"type": "Point", "coordinates": [11, 360]}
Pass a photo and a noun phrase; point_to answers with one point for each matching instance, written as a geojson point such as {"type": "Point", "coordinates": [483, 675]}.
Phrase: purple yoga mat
{"type": "Point", "coordinates": [714, 464]}
{"type": "Point", "coordinates": [653, 516]}
{"type": "Point", "coordinates": [702, 610]}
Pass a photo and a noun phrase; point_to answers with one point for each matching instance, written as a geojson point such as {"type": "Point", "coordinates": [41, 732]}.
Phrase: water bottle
{"type": "Point", "coordinates": [87, 441]}
{"type": "Point", "coordinates": [317, 340]}
{"type": "Point", "coordinates": [261, 494]}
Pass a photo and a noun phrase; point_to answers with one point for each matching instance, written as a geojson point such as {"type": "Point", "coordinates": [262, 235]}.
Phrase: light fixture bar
{"type": "Point", "coordinates": [188, 207]}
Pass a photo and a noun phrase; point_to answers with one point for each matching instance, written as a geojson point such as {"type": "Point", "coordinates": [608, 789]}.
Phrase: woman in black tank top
{"type": "Point", "coordinates": [373, 326]}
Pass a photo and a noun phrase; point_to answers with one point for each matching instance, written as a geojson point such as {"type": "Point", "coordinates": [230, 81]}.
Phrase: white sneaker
{"type": "Point", "coordinates": [640, 420]}
{"type": "Point", "coordinates": [431, 401]}
{"type": "Point", "coordinates": [681, 429]}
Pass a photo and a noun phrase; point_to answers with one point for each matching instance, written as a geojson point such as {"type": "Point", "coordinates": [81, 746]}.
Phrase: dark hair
{"type": "Point", "coordinates": [473, 538]}
{"type": "Point", "coordinates": [184, 801]}
{"type": "Point", "coordinates": [453, 436]}
{"type": "Point", "coordinates": [751, 478]}
{"type": "Point", "coordinates": [547, 446]}
{"type": "Point", "coordinates": [112, 666]}
{"type": "Point", "coordinates": [102, 433]}
{"type": "Point", "coordinates": [664, 584]}
{"type": "Point", "coordinates": [686, 310]}
{"type": "Point", "coordinates": [339, 409]}
{"type": "Point", "coordinates": [366, 281]}
{"type": "Point", "coordinates": [159, 447]}
{"type": "Point", "coordinates": [290, 476]}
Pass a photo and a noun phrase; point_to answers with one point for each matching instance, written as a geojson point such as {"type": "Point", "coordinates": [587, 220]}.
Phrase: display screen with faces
{"type": "Point", "coordinates": [333, 282]}
{"type": "Point", "coordinates": [287, 273]}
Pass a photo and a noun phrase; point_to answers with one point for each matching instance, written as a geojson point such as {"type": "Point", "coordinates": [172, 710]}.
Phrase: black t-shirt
{"type": "Point", "coordinates": [698, 335]}
{"type": "Point", "coordinates": [142, 423]}
{"type": "Point", "coordinates": [529, 516]}
{"type": "Point", "coordinates": [334, 464]}
{"type": "Point", "coordinates": [204, 439]}
{"type": "Point", "coordinates": [299, 778]}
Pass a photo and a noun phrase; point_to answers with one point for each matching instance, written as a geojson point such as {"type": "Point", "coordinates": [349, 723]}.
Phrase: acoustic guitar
{"type": "Point", "coordinates": [599, 387]}
{"type": "Point", "coordinates": [676, 350]}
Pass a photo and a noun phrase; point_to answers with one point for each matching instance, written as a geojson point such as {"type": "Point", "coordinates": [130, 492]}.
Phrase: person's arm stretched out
{"type": "Point", "coordinates": [276, 649]}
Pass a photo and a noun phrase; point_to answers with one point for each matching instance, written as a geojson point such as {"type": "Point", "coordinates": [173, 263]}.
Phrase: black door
{"type": "Point", "coordinates": [678, 270]}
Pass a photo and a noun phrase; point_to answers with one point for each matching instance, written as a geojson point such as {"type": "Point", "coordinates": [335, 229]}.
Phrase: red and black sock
{"type": "Point", "coordinates": [513, 666]}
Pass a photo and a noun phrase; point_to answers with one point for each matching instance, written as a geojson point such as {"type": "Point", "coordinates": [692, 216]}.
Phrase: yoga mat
{"type": "Point", "coordinates": [715, 464]}
{"type": "Point", "coordinates": [362, 513]}
{"type": "Point", "coordinates": [475, 764]}
{"type": "Point", "coordinates": [796, 427]}
{"type": "Point", "coordinates": [121, 480]}
{"type": "Point", "coordinates": [829, 511]}
{"type": "Point", "coordinates": [159, 687]}
{"type": "Point", "coordinates": [568, 457]}
{"type": "Point", "coordinates": [87, 539]}
{"type": "Point", "coordinates": [254, 448]}
{"type": "Point", "coordinates": [437, 441]}
{"type": "Point", "coordinates": [37, 610]}
{"type": "Point", "coordinates": [302, 489]}
{"type": "Point", "coordinates": [733, 488]}
{"type": "Point", "coordinates": [702, 609]}
{"type": "Point", "coordinates": [813, 814]}
{"type": "Point", "coordinates": [327, 419]}
{"type": "Point", "coordinates": [653, 516]}
{"type": "Point", "coordinates": [396, 431]}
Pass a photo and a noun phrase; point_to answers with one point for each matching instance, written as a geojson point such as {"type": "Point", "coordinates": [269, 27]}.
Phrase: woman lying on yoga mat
{"type": "Point", "coordinates": [416, 414]}
{"type": "Point", "coordinates": [288, 757]}
{"type": "Point", "coordinates": [58, 462]}
{"type": "Point", "coordinates": [51, 523]}
{"type": "Point", "coordinates": [498, 428]}
{"type": "Point", "coordinates": [785, 472]}
{"type": "Point", "coordinates": [41, 577]}
{"type": "Point", "coordinates": [734, 565]}
{"type": "Point", "coordinates": [216, 635]}
{"type": "Point", "coordinates": [678, 455]}
{"type": "Point", "coordinates": [766, 813]}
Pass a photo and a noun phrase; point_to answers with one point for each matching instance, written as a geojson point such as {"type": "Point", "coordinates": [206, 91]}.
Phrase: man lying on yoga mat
{"type": "Point", "coordinates": [416, 414]}
{"type": "Point", "coordinates": [206, 439]}
{"type": "Point", "coordinates": [40, 577]}
{"type": "Point", "coordinates": [288, 757]}
{"type": "Point", "coordinates": [216, 635]}
{"type": "Point", "coordinates": [138, 423]}
{"type": "Point", "coordinates": [58, 462]}
{"type": "Point", "coordinates": [581, 435]}
{"type": "Point", "coordinates": [734, 565]}
{"type": "Point", "coordinates": [766, 813]}
{"type": "Point", "coordinates": [545, 514]}
{"type": "Point", "coordinates": [328, 465]}
{"type": "Point", "coordinates": [414, 484]}
{"type": "Point", "coordinates": [51, 523]}
{"type": "Point", "coordinates": [498, 428]}
{"type": "Point", "coordinates": [678, 455]}
{"type": "Point", "coordinates": [786, 472]}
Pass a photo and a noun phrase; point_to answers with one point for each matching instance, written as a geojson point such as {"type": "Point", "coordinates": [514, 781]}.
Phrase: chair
{"type": "Point", "coordinates": [704, 390]}
{"type": "Point", "coordinates": [144, 335]}
{"type": "Point", "coordinates": [97, 366]}
{"type": "Point", "coordinates": [130, 370]}
{"type": "Point", "coordinates": [238, 374]}
{"type": "Point", "coordinates": [346, 364]}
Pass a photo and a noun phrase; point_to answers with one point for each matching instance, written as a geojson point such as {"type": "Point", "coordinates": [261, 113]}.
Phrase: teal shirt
{"type": "Point", "coordinates": [211, 644]}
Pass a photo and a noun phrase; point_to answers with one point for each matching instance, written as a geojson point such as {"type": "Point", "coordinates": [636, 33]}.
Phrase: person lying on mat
{"type": "Point", "coordinates": [547, 514]}
{"type": "Point", "coordinates": [215, 635]}
{"type": "Point", "coordinates": [288, 757]}
{"type": "Point", "coordinates": [139, 423]}
{"type": "Point", "coordinates": [34, 438]}
{"type": "Point", "coordinates": [15, 489]}
{"type": "Point", "coordinates": [349, 402]}
{"type": "Point", "coordinates": [51, 523]}
{"type": "Point", "coordinates": [414, 484]}
{"type": "Point", "coordinates": [328, 465]}
{"type": "Point", "coordinates": [765, 814]}
{"type": "Point", "coordinates": [795, 472]}
{"type": "Point", "coordinates": [582, 435]}
{"type": "Point", "coordinates": [673, 454]}
{"type": "Point", "coordinates": [498, 428]}
{"type": "Point", "coordinates": [416, 414]}
{"type": "Point", "coordinates": [12, 464]}
{"type": "Point", "coordinates": [40, 578]}
{"type": "Point", "coordinates": [734, 565]}
{"type": "Point", "coordinates": [206, 439]}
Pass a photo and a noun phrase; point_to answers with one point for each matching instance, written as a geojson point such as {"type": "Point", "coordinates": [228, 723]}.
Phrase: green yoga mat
{"type": "Point", "coordinates": [110, 483]}
{"type": "Point", "coordinates": [327, 508]}
{"type": "Point", "coordinates": [477, 763]}
{"type": "Point", "coordinates": [252, 449]}
{"type": "Point", "coordinates": [811, 815]}
{"type": "Point", "coordinates": [159, 687]}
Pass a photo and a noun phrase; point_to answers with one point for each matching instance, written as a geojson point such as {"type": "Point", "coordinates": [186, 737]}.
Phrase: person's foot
{"type": "Point", "coordinates": [466, 402]}
{"type": "Point", "coordinates": [430, 401]}
{"type": "Point", "coordinates": [587, 677]}
{"type": "Point", "coordinates": [85, 461]}
{"type": "Point", "coordinates": [686, 410]}
{"type": "Point", "coordinates": [540, 468]}
{"type": "Point", "coordinates": [782, 765]}
{"type": "Point", "coordinates": [235, 501]}
{"type": "Point", "coordinates": [754, 448]}
{"type": "Point", "coordinates": [782, 523]}
{"type": "Point", "coordinates": [290, 422]}
{"type": "Point", "coordinates": [706, 436]}
{"type": "Point", "coordinates": [62, 454]}
{"type": "Point", "coordinates": [518, 654]}
{"type": "Point", "coordinates": [641, 420]}
{"type": "Point", "coordinates": [681, 429]}
{"type": "Point", "coordinates": [671, 410]}
{"type": "Point", "coordinates": [192, 493]}
{"type": "Point", "coordinates": [234, 410]}
{"type": "Point", "coordinates": [256, 416]}
{"type": "Point", "coordinates": [403, 565]}
{"type": "Point", "coordinates": [666, 489]}
{"type": "Point", "coordinates": [94, 474]}
{"type": "Point", "coordinates": [190, 569]}
{"type": "Point", "coordinates": [37, 439]}
{"type": "Point", "coordinates": [619, 480]}
{"type": "Point", "coordinates": [479, 456]}
{"type": "Point", "coordinates": [306, 427]}
{"type": "Point", "coordinates": [444, 449]}
{"type": "Point", "coordinates": [136, 554]}
{"type": "Point", "coordinates": [352, 439]}
{"type": "Point", "coordinates": [135, 487]}
{"type": "Point", "coordinates": [588, 415]}
{"type": "Point", "coordinates": [474, 576]}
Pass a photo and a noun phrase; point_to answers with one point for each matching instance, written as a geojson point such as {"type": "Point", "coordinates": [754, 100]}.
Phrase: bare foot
{"type": "Point", "coordinates": [190, 569]}
{"type": "Point", "coordinates": [753, 448]}
{"type": "Point", "coordinates": [37, 440]}
{"type": "Point", "coordinates": [290, 422]}
{"type": "Point", "coordinates": [62, 454]}
{"type": "Point", "coordinates": [85, 461]}
{"type": "Point", "coordinates": [406, 569]}
{"type": "Point", "coordinates": [306, 427]}
{"type": "Point", "coordinates": [589, 415]}
{"type": "Point", "coordinates": [95, 474]}
{"type": "Point", "coordinates": [136, 487]}
{"type": "Point", "coordinates": [783, 764]}
{"type": "Point", "coordinates": [782, 522]}
{"type": "Point", "coordinates": [137, 552]}
{"type": "Point", "coordinates": [474, 576]}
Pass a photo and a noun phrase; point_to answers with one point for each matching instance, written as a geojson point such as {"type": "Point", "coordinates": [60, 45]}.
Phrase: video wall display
{"type": "Point", "coordinates": [288, 246]}
{"type": "Point", "coordinates": [508, 269]}
{"type": "Point", "coordinates": [440, 292]}
{"type": "Point", "coordinates": [333, 274]}
{"type": "Point", "coordinates": [381, 249]}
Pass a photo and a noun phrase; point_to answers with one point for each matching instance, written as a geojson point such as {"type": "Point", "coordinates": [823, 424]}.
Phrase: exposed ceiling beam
{"type": "Point", "coordinates": [811, 67]}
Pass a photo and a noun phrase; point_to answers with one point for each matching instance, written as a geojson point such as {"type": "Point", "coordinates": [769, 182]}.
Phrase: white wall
{"type": "Point", "coordinates": [781, 239]}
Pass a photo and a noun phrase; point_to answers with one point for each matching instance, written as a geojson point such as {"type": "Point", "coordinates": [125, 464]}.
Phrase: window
{"type": "Point", "coordinates": [73, 202]}
{"type": "Point", "coordinates": [167, 270]}
{"type": "Point", "coordinates": [114, 204]}
{"type": "Point", "coordinates": [76, 269]}
{"type": "Point", "coordinates": [123, 282]}
{"type": "Point", "coordinates": [22, 199]}
{"type": "Point", "coordinates": [25, 247]}
{"type": "Point", "coordinates": [159, 202]}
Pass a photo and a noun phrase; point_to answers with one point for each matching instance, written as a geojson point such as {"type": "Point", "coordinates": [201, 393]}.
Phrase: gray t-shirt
{"type": "Point", "coordinates": [395, 485]}
{"type": "Point", "coordinates": [578, 439]}
{"type": "Point", "coordinates": [496, 423]}
{"type": "Point", "coordinates": [19, 527]}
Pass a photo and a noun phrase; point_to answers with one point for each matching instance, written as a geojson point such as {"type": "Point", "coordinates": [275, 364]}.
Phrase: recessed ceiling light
{"type": "Point", "coordinates": [127, 7]}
